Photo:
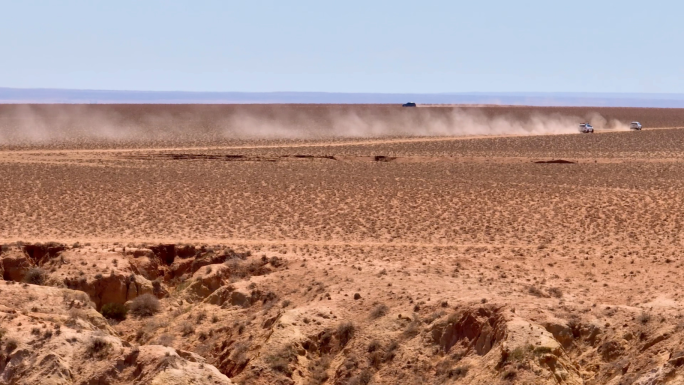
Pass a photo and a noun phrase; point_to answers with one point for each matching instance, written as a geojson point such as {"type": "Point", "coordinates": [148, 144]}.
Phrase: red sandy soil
{"type": "Point", "coordinates": [473, 263]}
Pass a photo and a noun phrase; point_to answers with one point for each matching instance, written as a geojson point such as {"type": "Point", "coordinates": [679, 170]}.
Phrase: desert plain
{"type": "Point", "coordinates": [315, 244]}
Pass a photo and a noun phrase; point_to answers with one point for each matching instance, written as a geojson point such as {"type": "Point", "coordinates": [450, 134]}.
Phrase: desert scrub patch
{"type": "Point", "coordinates": [543, 350]}
{"type": "Point", "coordinates": [319, 371]}
{"type": "Point", "coordinates": [11, 344]}
{"type": "Point", "coordinates": [345, 332]}
{"type": "Point", "coordinates": [145, 306]}
{"type": "Point", "coordinates": [509, 374]}
{"type": "Point", "coordinates": [535, 291]}
{"type": "Point", "coordinates": [180, 287]}
{"type": "Point", "coordinates": [374, 346]}
{"type": "Point", "coordinates": [413, 329]}
{"type": "Point", "coordinates": [458, 372]}
{"type": "Point", "coordinates": [390, 351]}
{"type": "Point", "coordinates": [98, 347]}
{"type": "Point", "coordinates": [239, 353]}
{"type": "Point", "coordinates": [644, 317]}
{"type": "Point", "coordinates": [517, 354]}
{"type": "Point", "coordinates": [71, 296]}
{"type": "Point", "coordinates": [280, 362]}
{"type": "Point", "coordinates": [115, 311]}
{"type": "Point", "coordinates": [378, 311]}
{"type": "Point", "coordinates": [363, 378]}
{"type": "Point", "coordinates": [187, 328]}
{"type": "Point", "coordinates": [376, 358]}
{"type": "Point", "coordinates": [434, 316]}
{"type": "Point", "coordinates": [35, 276]}
{"type": "Point", "coordinates": [556, 292]}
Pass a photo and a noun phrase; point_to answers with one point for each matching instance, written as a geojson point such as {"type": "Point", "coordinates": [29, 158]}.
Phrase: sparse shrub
{"type": "Point", "coordinates": [165, 340]}
{"type": "Point", "coordinates": [541, 350]}
{"type": "Point", "coordinates": [115, 311]}
{"type": "Point", "coordinates": [509, 374]}
{"type": "Point", "coordinates": [286, 303]}
{"type": "Point", "coordinates": [357, 296]}
{"type": "Point", "coordinates": [145, 306]}
{"type": "Point", "coordinates": [280, 363]}
{"type": "Point", "coordinates": [556, 292]}
{"type": "Point", "coordinates": [374, 346]}
{"type": "Point", "coordinates": [516, 354]}
{"type": "Point", "coordinates": [325, 341]}
{"type": "Point", "coordinates": [187, 328]}
{"type": "Point", "coordinates": [201, 317]}
{"type": "Point", "coordinates": [35, 276]}
{"type": "Point", "coordinates": [434, 316]}
{"type": "Point", "coordinates": [644, 317]}
{"type": "Point", "coordinates": [318, 370]}
{"type": "Point", "coordinates": [363, 378]}
{"type": "Point", "coordinates": [391, 351]}
{"type": "Point", "coordinates": [276, 262]}
{"type": "Point", "coordinates": [239, 353]}
{"type": "Point", "coordinates": [98, 346]}
{"type": "Point", "coordinates": [11, 344]}
{"type": "Point", "coordinates": [345, 332]}
{"type": "Point", "coordinates": [375, 359]}
{"type": "Point", "coordinates": [156, 285]}
{"type": "Point", "coordinates": [535, 291]}
{"type": "Point", "coordinates": [413, 329]}
{"type": "Point", "coordinates": [458, 372]}
{"type": "Point", "coordinates": [139, 335]}
{"type": "Point", "coordinates": [379, 311]}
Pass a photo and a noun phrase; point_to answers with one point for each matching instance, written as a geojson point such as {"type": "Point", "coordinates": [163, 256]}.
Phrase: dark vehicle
{"type": "Point", "coordinates": [409, 104]}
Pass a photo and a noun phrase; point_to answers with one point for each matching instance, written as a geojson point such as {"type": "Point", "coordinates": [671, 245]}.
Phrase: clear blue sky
{"type": "Point", "coordinates": [344, 46]}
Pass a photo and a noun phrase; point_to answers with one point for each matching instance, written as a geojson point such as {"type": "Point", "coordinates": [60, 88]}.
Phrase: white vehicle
{"type": "Point", "coordinates": [586, 128]}
{"type": "Point", "coordinates": [635, 126]}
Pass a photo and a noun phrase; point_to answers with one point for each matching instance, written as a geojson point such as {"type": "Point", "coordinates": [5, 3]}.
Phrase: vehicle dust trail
{"type": "Point", "coordinates": [27, 125]}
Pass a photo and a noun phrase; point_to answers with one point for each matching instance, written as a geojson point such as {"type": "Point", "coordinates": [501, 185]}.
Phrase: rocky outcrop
{"type": "Point", "coordinates": [560, 330]}
{"type": "Point", "coordinates": [14, 264]}
{"type": "Point", "coordinates": [113, 288]}
{"type": "Point", "coordinates": [39, 253]}
{"type": "Point", "coordinates": [508, 341]}
{"type": "Point", "coordinates": [146, 265]}
{"type": "Point", "coordinates": [481, 328]}
{"type": "Point", "coordinates": [56, 339]}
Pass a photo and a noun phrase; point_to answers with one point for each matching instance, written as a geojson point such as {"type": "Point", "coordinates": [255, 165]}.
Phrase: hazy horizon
{"type": "Point", "coordinates": [94, 96]}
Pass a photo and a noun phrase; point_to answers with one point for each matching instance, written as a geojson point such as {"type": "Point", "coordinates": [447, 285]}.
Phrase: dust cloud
{"type": "Point", "coordinates": [26, 124]}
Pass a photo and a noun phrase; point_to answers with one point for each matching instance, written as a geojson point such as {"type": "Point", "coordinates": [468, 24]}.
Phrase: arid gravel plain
{"type": "Point", "coordinates": [318, 244]}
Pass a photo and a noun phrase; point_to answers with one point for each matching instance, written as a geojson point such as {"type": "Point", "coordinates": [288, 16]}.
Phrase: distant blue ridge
{"type": "Point", "coordinates": [569, 99]}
